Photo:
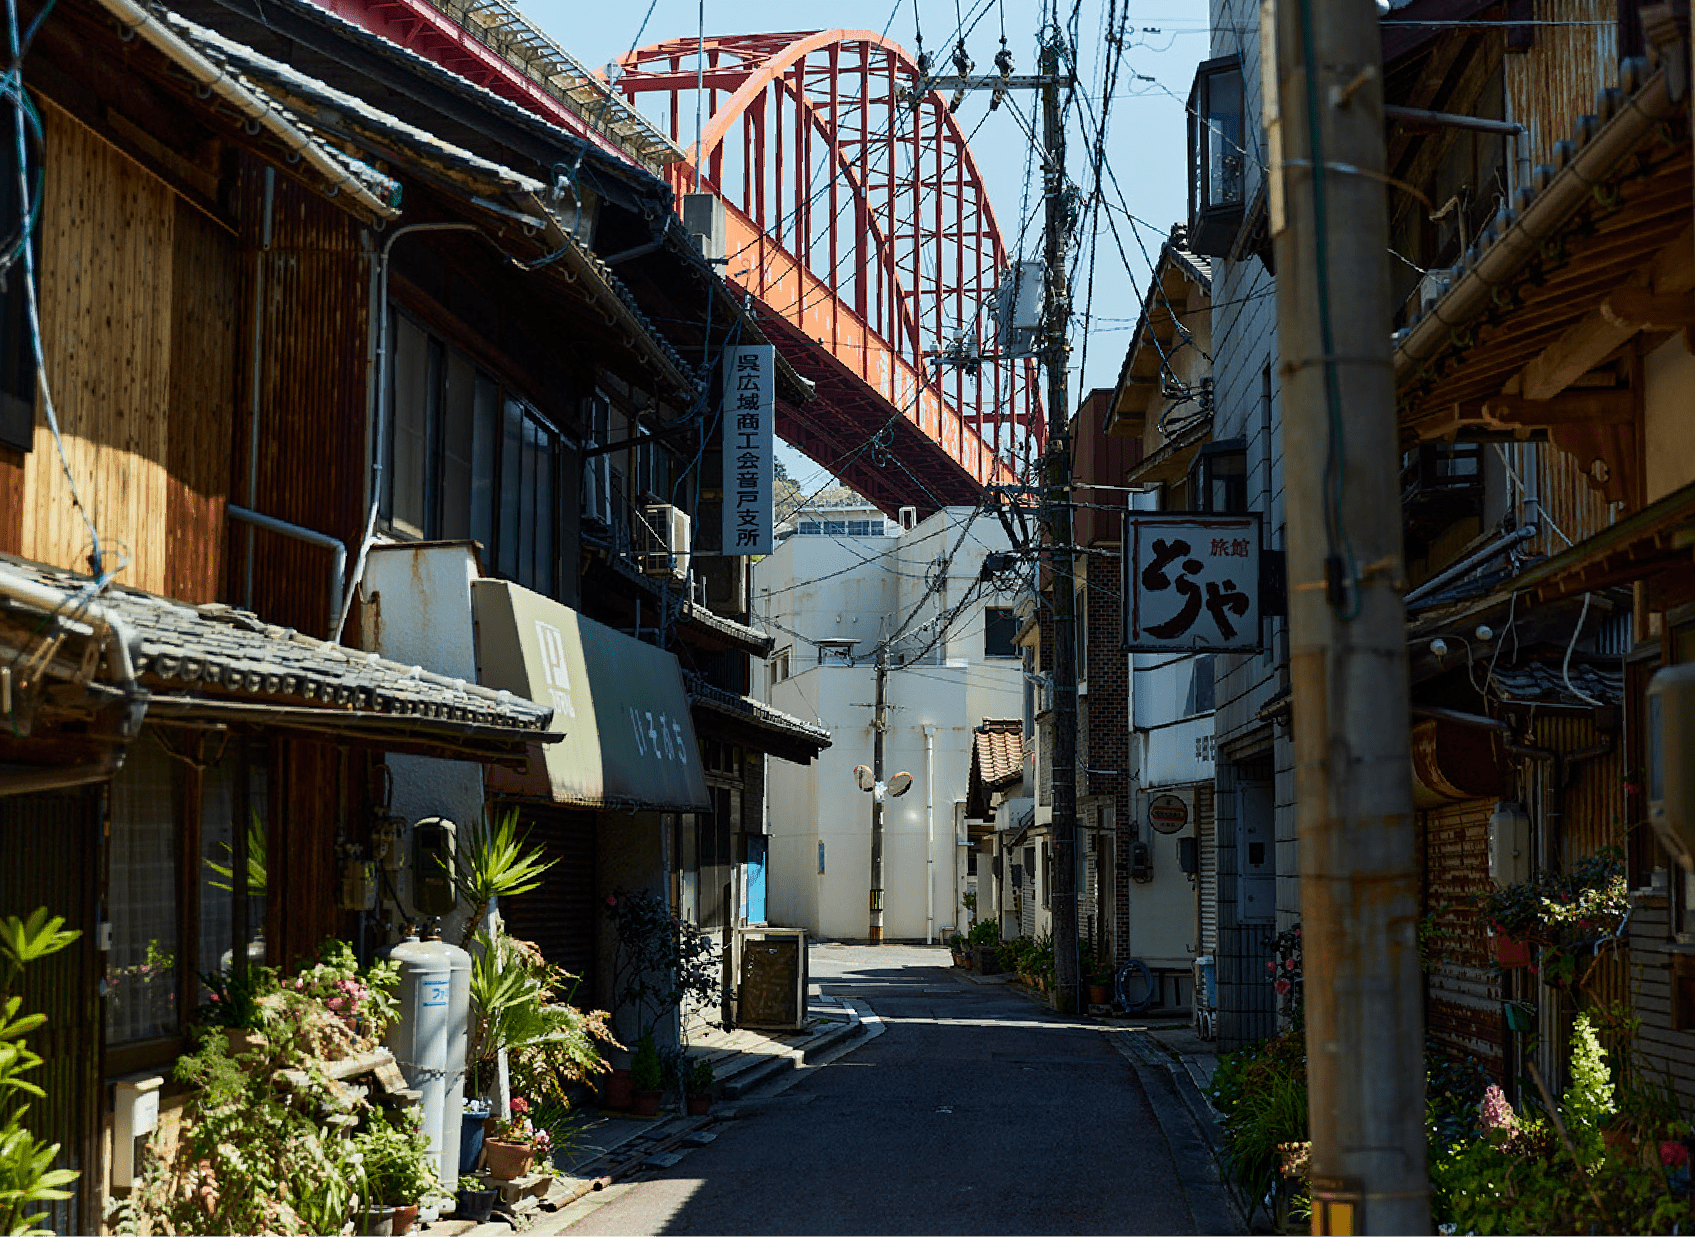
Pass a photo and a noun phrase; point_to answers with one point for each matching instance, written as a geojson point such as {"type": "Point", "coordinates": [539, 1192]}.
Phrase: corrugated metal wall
{"type": "Point", "coordinates": [315, 789]}
{"type": "Point", "coordinates": [313, 363]}
{"type": "Point", "coordinates": [562, 917]}
{"type": "Point", "coordinates": [1206, 829]}
{"type": "Point", "coordinates": [1462, 1009]}
{"type": "Point", "coordinates": [1554, 82]}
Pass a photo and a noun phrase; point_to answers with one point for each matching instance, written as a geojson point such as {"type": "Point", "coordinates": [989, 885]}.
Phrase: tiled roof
{"type": "Point", "coordinates": [1537, 683]}
{"type": "Point", "coordinates": [998, 752]}
{"type": "Point", "coordinates": [212, 655]}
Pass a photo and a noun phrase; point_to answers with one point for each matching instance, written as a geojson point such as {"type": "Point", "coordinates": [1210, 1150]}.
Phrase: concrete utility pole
{"type": "Point", "coordinates": [1358, 862]}
{"type": "Point", "coordinates": [879, 727]}
{"type": "Point", "coordinates": [1056, 351]}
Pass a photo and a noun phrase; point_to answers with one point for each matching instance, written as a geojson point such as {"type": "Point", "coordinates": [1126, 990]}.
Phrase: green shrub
{"type": "Point", "coordinates": [1260, 1093]}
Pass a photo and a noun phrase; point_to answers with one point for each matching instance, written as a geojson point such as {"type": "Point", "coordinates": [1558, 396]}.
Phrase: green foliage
{"type": "Point", "coordinates": [493, 861]}
{"type": "Point", "coordinates": [662, 961]}
{"type": "Point", "coordinates": [645, 1071]}
{"type": "Point", "coordinates": [985, 932]}
{"type": "Point", "coordinates": [519, 1004]}
{"type": "Point", "coordinates": [700, 1076]}
{"type": "Point", "coordinates": [394, 1159]}
{"type": "Point", "coordinates": [1260, 1093]}
{"type": "Point", "coordinates": [257, 877]}
{"type": "Point", "coordinates": [27, 1175]}
{"type": "Point", "coordinates": [1588, 1100]}
{"type": "Point", "coordinates": [1092, 970]}
{"type": "Point", "coordinates": [1589, 900]}
{"type": "Point", "coordinates": [958, 943]}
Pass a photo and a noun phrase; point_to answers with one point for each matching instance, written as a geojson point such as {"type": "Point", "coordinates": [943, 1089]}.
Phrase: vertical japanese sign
{"type": "Point", "coordinates": [1192, 582]}
{"type": "Point", "coordinates": [750, 417]}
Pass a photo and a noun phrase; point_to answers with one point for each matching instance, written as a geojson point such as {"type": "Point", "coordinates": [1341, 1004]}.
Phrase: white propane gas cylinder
{"type": "Point", "coordinates": [419, 1036]}
{"type": "Point", "coordinates": [458, 1044]}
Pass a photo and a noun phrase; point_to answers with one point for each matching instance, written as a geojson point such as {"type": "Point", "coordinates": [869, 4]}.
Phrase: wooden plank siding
{"type": "Point", "coordinates": [137, 315]}
{"type": "Point", "coordinates": [314, 364]}
{"type": "Point", "coordinates": [1553, 82]}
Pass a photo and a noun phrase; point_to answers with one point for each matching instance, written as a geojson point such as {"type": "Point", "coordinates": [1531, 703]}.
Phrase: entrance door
{"type": "Point", "coordinates": [1256, 854]}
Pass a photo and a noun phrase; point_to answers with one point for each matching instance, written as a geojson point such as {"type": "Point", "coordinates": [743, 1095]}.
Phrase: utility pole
{"type": "Point", "coordinates": [1348, 667]}
{"type": "Point", "coordinates": [879, 727]}
{"type": "Point", "coordinates": [1056, 350]}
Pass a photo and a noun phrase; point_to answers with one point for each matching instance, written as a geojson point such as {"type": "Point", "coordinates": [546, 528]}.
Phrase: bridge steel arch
{"type": "Point", "coordinates": [858, 220]}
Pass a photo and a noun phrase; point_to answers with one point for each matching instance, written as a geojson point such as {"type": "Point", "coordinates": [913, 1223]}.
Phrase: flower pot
{"type": "Point", "coordinates": [404, 1218]}
{"type": "Point", "coordinates": [1511, 954]}
{"type": "Point", "coordinates": [698, 1103]}
{"type": "Point", "coordinates": [475, 1205]}
{"type": "Point", "coordinates": [1099, 994]}
{"type": "Point", "coordinates": [376, 1222]}
{"type": "Point", "coordinates": [645, 1103]}
{"type": "Point", "coordinates": [471, 1126]}
{"type": "Point", "coordinates": [616, 1089]}
{"type": "Point", "coordinates": [507, 1161]}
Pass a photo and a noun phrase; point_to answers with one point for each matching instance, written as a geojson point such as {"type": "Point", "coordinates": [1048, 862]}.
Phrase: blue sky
{"type": "Point", "coordinates": [1146, 145]}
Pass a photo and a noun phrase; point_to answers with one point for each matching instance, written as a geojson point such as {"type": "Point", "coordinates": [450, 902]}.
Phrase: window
{"type": "Point", "coordinates": [142, 901]}
{"type": "Point", "coordinates": [471, 461]}
{"type": "Point", "coordinates": [780, 666]}
{"type": "Point", "coordinates": [835, 528]}
{"type": "Point", "coordinates": [1200, 686]}
{"type": "Point", "coordinates": [1218, 479]}
{"type": "Point", "coordinates": [1217, 156]}
{"type": "Point", "coordinates": [1000, 632]}
{"type": "Point", "coordinates": [808, 528]}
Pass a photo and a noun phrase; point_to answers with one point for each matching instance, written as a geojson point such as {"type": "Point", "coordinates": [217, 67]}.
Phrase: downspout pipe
{"type": "Point", "coordinates": [380, 412]}
{"type": "Point", "coordinates": [338, 570]}
{"type": "Point", "coordinates": [930, 844]}
{"type": "Point", "coordinates": [1499, 546]}
{"type": "Point", "coordinates": [209, 77]}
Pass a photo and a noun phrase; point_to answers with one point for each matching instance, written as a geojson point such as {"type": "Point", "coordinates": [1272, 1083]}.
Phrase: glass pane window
{"type": "Point", "coordinates": [141, 966]}
{"type": "Point", "coordinates": [224, 901]}
{"type": "Point", "coordinates": [1000, 630]}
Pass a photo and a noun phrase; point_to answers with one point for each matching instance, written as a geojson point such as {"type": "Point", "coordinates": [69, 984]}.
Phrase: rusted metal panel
{"type": "Point", "coordinates": [1554, 82]}
{"type": "Point", "coordinates": [312, 283]}
{"type": "Point", "coordinates": [1462, 987]}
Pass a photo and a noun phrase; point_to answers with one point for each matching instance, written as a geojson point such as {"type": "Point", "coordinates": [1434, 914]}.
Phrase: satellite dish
{"type": "Point", "coordinates": [900, 783]}
{"type": "Point", "coordinates": [863, 777]}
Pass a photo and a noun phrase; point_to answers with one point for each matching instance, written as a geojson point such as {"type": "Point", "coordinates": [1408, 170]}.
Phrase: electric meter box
{"type": "Point", "coordinates": [1671, 760]}
{"type": "Point", "coordinates": [432, 866]}
{"type": "Point", "coordinates": [1509, 844]}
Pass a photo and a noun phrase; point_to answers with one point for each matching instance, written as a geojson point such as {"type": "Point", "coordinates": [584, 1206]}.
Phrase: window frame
{"type": "Point", "coordinates": [1213, 224]}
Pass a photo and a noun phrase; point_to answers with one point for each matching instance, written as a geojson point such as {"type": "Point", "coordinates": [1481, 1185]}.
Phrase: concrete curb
{"type": "Point", "coordinates": [751, 1079]}
{"type": "Point", "coordinates": [1190, 1129]}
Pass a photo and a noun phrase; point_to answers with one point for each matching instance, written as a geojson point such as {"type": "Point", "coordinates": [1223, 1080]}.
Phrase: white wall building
{"type": "Point", "coordinates": [843, 581]}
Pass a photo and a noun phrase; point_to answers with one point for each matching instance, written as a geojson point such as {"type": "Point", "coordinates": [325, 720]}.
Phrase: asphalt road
{"type": "Point", "coordinates": [973, 1111]}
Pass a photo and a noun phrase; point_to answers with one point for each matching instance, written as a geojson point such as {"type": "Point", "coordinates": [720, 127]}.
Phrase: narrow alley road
{"type": "Point", "coordinates": [974, 1111]}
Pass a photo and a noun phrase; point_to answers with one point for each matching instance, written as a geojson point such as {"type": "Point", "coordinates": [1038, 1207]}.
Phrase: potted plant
{"type": "Point", "coordinates": [395, 1161]}
{"type": "Point", "coordinates": [646, 1077]}
{"type": "Point", "coordinates": [513, 1144]}
{"type": "Point", "coordinates": [697, 1087]}
{"type": "Point", "coordinates": [960, 948]}
{"type": "Point", "coordinates": [1096, 976]}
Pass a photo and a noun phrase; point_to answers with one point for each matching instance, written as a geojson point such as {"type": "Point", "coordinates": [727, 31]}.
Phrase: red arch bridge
{"type": "Point", "coordinates": [857, 220]}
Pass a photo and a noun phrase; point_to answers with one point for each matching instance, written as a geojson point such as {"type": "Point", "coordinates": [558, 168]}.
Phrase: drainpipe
{"type": "Point", "coordinates": [1499, 546]}
{"type": "Point", "coordinates": [270, 523]}
{"type": "Point", "coordinates": [930, 844]}
{"type": "Point", "coordinates": [379, 411]}
{"type": "Point", "coordinates": [258, 365]}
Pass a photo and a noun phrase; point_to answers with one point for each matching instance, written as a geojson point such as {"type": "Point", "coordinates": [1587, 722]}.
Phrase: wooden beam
{"type": "Point", "coordinates": [1591, 404]}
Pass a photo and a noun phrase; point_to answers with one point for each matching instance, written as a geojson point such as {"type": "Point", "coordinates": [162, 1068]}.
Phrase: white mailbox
{"type": "Point", "coordinates": [135, 1114]}
{"type": "Point", "coordinates": [1509, 844]}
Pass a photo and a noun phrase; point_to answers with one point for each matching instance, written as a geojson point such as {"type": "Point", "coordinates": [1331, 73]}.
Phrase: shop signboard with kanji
{"type": "Point", "coordinates": [750, 419]}
{"type": "Point", "coordinates": [1192, 582]}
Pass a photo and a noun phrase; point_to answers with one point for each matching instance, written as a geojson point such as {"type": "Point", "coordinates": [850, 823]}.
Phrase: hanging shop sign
{"type": "Point", "coordinates": [750, 421]}
{"type": "Point", "coordinates": [1193, 582]}
{"type": "Point", "coordinates": [1167, 813]}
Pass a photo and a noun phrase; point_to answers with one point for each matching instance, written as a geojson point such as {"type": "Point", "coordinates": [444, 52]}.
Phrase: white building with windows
{"type": "Point", "coordinates": [843, 582]}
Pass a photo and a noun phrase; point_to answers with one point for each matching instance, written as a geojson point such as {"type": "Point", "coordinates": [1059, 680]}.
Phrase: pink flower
{"type": "Point", "coordinates": [334, 1002]}
{"type": "Point", "coordinates": [215, 997]}
{"type": "Point", "coordinates": [1271, 966]}
{"type": "Point", "coordinates": [1674, 1154]}
{"type": "Point", "coordinates": [1288, 964]}
{"type": "Point", "coordinates": [520, 1105]}
{"type": "Point", "coordinates": [612, 901]}
{"type": "Point", "coordinates": [1283, 987]}
{"type": "Point", "coordinates": [1494, 1113]}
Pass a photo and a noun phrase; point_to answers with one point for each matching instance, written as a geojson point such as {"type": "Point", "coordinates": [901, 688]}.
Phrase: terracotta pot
{"type": "Point", "coordinates": [698, 1103]}
{"type": "Point", "coordinates": [646, 1103]}
{"type": "Point", "coordinates": [616, 1089]}
{"type": "Point", "coordinates": [404, 1218]}
{"type": "Point", "coordinates": [1099, 994]}
{"type": "Point", "coordinates": [507, 1161]}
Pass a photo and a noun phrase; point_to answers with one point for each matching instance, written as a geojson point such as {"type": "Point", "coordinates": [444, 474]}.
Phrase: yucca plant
{"type": "Point", "coordinates": [494, 861]}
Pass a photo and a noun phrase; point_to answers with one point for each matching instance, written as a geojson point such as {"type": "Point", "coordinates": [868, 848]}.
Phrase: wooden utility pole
{"type": "Point", "coordinates": [1348, 666]}
{"type": "Point", "coordinates": [879, 727]}
{"type": "Point", "coordinates": [1056, 351]}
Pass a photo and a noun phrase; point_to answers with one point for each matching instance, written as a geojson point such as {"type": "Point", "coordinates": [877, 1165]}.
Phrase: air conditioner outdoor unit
{"type": "Point", "coordinates": [663, 541]}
